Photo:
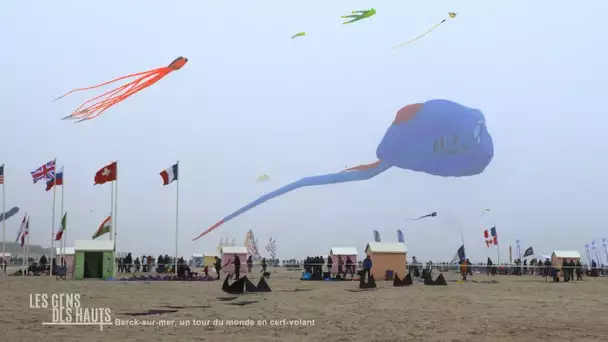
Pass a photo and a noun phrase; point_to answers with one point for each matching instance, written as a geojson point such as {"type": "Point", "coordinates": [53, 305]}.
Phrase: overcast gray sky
{"type": "Point", "coordinates": [252, 101]}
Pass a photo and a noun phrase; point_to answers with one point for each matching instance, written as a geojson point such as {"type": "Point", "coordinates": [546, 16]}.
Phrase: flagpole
{"type": "Point", "coordinates": [114, 219]}
{"type": "Point", "coordinates": [53, 221]}
{"type": "Point", "coordinates": [24, 247]}
{"type": "Point", "coordinates": [3, 218]}
{"type": "Point", "coordinates": [27, 246]}
{"type": "Point", "coordinates": [176, 214]}
{"type": "Point", "coordinates": [62, 241]}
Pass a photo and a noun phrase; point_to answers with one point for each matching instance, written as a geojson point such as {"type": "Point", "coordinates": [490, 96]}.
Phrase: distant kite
{"type": "Point", "coordinates": [12, 212]}
{"type": "Point", "coordinates": [263, 178]}
{"type": "Point", "coordinates": [451, 15]}
{"type": "Point", "coordinates": [358, 15]}
{"type": "Point", "coordinates": [299, 34]}
{"type": "Point", "coordinates": [433, 214]}
{"type": "Point", "coordinates": [487, 210]}
{"type": "Point", "coordinates": [410, 143]}
{"type": "Point", "coordinates": [99, 104]}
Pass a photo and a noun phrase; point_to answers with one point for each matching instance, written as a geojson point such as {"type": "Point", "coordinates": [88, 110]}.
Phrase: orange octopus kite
{"type": "Point", "coordinates": [99, 104]}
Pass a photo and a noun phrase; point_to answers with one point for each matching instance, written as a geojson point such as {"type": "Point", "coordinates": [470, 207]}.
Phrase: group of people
{"type": "Point", "coordinates": [346, 266]}
{"type": "Point", "coordinates": [236, 262]}
{"type": "Point", "coordinates": [162, 264]}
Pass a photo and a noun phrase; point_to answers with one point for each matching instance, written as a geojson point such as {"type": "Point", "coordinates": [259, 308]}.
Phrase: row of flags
{"type": "Point", "coordinates": [108, 173]}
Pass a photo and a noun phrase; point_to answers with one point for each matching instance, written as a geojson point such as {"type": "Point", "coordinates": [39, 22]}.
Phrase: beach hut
{"type": "Point", "coordinates": [387, 259]}
{"type": "Point", "coordinates": [342, 252]}
{"type": "Point", "coordinates": [209, 259]}
{"type": "Point", "coordinates": [69, 253]}
{"type": "Point", "coordinates": [558, 257]}
{"type": "Point", "coordinates": [94, 259]}
{"type": "Point", "coordinates": [228, 253]}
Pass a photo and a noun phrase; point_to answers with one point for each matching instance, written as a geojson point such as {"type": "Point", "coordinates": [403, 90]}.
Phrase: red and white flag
{"type": "Point", "coordinates": [26, 232]}
{"type": "Point", "coordinates": [22, 229]}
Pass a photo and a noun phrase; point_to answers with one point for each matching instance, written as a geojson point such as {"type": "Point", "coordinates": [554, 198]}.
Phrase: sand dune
{"type": "Point", "coordinates": [515, 309]}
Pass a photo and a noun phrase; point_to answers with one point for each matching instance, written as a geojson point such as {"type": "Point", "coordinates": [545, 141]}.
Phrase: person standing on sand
{"type": "Point", "coordinates": [237, 267]}
{"type": "Point", "coordinates": [264, 265]}
{"type": "Point", "coordinates": [249, 264]}
{"type": "Point", "coordinates": [218, 266]}
{"type": "Point", "coordinates": [367, 267]}
{"type": "Point", "coordinates": [579, 270]}
{"type": "Point", "coordinates": [341, 266]}
{"type": "Point", "coordinates": [330, 264]}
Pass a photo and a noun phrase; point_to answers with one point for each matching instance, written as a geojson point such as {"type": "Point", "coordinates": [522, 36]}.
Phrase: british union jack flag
{"type": "Point", "coordinates": [45, 172]}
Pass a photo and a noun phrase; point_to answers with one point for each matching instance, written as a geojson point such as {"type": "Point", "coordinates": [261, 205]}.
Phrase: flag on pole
{"type": "Point", "coordinates": [22, 228]}
{"type": "Point", "coordinates": [376, 236]}
{"type": "Point", "coordinates": [26, 232]}
{"type": "Point", "coordinates": [169, 175]}
{"type": "Point", "coordinates": [106, 174]}
{"type": "Point", "coordinates": [460, 255]}
{"type": "Point", "coordinates": [58, 180]}
{"type": "Point", "coordinates": [62, 228]}
{"type": "Point", "coordinates": [2, 174]}
{"type": "Point", "coordinates": [529, 251]}
{"type": "Point", "coordinates": [490, 236]}
{"type": "Point", "coordinates": [400, 236]}
{"type": "Point", "coordinates": [105, 227]}
{"type": "Point", "coordinates": [45, 172]}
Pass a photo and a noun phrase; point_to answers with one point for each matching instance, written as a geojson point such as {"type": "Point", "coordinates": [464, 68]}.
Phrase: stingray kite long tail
{"type": "Point", "coordinates": [99, 104]}
{"type": "Point", "coordinates": [359, 173]}
{"type": "Point", "coordinates": [422, 35]}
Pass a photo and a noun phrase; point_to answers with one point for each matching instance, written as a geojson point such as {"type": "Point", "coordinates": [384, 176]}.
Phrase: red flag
{"type": "Point", "coordinates": [106, 174]}
{"type": "Point", "coordinates": [486, 234]}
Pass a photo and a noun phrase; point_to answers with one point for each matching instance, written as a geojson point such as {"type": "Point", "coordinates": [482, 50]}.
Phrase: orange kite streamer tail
{"type": "Point", "coordinates": [99, 104]}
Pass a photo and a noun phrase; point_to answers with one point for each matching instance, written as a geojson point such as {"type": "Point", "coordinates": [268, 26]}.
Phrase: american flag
{"type": "Point", "coordinates": [46, 172]}
{"type": "Point", "coordinates": [2, 174]}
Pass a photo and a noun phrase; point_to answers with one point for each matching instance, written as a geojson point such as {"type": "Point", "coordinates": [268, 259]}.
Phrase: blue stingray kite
{"type": "Point", "coordinates": [438, 137]}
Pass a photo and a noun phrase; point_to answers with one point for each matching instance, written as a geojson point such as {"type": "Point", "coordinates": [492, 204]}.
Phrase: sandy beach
{"type": "Point", "coordinates": [514, 309]}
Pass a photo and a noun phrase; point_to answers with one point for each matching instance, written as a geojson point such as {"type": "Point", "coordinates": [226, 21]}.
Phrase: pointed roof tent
{"type": "Point", "coordinates": [66, 251]}
{"type": "Point", "coordinates": [343, 251]}
{"type": "Point", "coordinates": [567, 254]}
{"type": "Point", "coordinates": [234, 250]}
{"type": "Point", "coordinates": [94, 245]}
{"type": "Point", "coordinates": [386, 247]}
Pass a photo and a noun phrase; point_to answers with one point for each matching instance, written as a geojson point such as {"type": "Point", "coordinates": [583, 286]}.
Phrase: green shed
{"type": "Point", "coordinates": [94, 259]}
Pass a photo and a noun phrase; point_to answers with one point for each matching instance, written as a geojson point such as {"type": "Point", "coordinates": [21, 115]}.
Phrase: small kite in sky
{"type": "Point", "coordinates": [263, 178]}
{"type": "Point", "coordinates": [99, 104]}
{"type": "Point", "coordinates": [451, 15]}
{"type": "Point", "coordinates": [487, 210]}
{"type": "Point", "coordinates": [299, 34]}
{"type": "Point", "coordinates": [358, 15]}
{"type": "Point", "coordinates": [408, 144]}
{"type": "Point", "coordinates": [433, 214]}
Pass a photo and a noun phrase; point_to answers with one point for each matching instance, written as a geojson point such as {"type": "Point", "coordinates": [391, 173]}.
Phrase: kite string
{"type": "Point", "coordinates": [420, 36]}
